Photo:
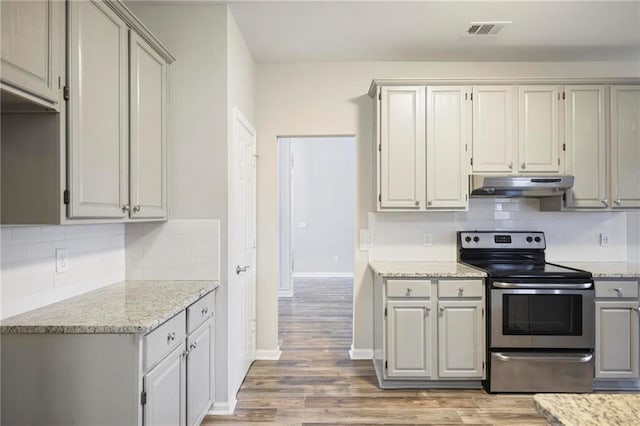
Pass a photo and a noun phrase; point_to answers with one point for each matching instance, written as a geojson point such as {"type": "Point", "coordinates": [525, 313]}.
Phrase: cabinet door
{"type": "Point", "coordinates": [538, 129]}
{"type": "Point", "coordinates": [148, 78]}
{"type": "Point", "coordinates": [617, 339]}
{"type": "Point", "coordinates": [585, 138]}
{"type": "Point", "coordinates": [408, 338]}
{"type": "Point", "coordinates": [165, 389]}
{"type": "Point", "coordinates": [461, 339]}
{"type": "Point", "coordinates": [625, 146]}
{"type": "Point", "coordinates": [401, 149]}
{"type": "Point", "coordinates": [98, 113]}
{"type": "Point", "coordinates": [199, 373]}
{"type": "Point", "coordinates": [493, 136]}
{"type": "Point", "coordinates": [30, 41]}
{"type": "Point", "coordinates": [448, 139]}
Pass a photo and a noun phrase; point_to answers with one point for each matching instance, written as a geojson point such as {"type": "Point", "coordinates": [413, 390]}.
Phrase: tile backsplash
{"type": "Point", "coordinates": [571, 236]}
{"type": "Point", "coordinates": [96, 258]}
{"type": "Point", "coordinates": [176, 249]}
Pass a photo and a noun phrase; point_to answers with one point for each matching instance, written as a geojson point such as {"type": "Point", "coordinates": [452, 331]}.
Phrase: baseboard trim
{"type": "Point", "coordinates": [360, 353]}
{"type": "Point", "coordinates": [268, 355]}
{"type": "Point", "coordinates": [285, 293]}
{"type": "Point", "coordinates": [322, 275]}
{"type": "Point", "coordinates": [223, 408]}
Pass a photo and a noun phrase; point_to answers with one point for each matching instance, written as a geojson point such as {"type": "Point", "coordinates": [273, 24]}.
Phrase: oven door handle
{"type": "Point", "coordinates": [564, 286]}
{"type": "Point", "coordinates": [579, 358]}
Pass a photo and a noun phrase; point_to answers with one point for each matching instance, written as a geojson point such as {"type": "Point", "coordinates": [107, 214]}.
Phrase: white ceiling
{"type": "Point", "coordinates": [310, 31]}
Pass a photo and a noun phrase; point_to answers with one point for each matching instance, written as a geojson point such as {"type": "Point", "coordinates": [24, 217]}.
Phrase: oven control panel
{"type": "Point", "coordinates": [498, 239]}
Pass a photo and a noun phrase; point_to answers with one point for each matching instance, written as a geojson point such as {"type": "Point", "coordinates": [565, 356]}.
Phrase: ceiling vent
{"type": "Point", "coordinates": [486, 28]}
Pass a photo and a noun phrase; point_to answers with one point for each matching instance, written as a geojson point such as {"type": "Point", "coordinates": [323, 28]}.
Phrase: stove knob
{"type": "Point", "coordinates": [537, 239]}
{"type": "Point", "coordinates": [529, 239]}
{"type": "Point", "coordinates": [476, 239]}
{"type": "Point", "coordinates": [468, 239]}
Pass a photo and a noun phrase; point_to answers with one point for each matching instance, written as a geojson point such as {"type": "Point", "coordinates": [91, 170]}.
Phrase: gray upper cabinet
{"type": "Point", "coordinates": [98, 105]}
{"type": "Point", "coordinates": [31, 37]}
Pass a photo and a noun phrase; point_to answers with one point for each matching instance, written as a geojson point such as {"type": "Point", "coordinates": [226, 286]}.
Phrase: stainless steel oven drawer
{"type": "Point", "coordinates": [541, 372]}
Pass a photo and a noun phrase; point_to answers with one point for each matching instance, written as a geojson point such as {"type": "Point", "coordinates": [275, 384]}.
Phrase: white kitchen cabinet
{"type": "Point", "coordinates": [165, 391]}
{"type": "Point", "coordinates": [585, 127]}
{"type": "Point", "coordinates": [199, 373]}
{"type": "Point", "coordinates": [409, 338]}
{"type": "Point", "coordinates": [493, 129]}
{"type": "Point", "coordinates": [538, 149]}
{"type": "Point", "coordinates": [401, 144]}
{"type": "Point", "coordinates": [31, 56]}
{"type": "Point", "coordinates": [461, 349]}
{"type": "Point", "coordinates": [148, 123]}
{"type": "Point", "coordinates": [448, 145]}
{"type": "Point", "coordinates": [98, 105]}
{"type": "Point", "coordinates": [617, 339]}
{"type": "Point", "coordinates": [625, 146]}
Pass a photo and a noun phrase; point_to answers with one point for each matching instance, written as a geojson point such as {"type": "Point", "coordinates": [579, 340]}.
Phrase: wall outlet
{"type": "Point", "coordinates": [426, 240]}
{"type": "Point", "coordinates": [335, 259]}
{"type": "Point", "coordinates": [62, 260]}
{"type": "Point", "coordinates": [604, 240]}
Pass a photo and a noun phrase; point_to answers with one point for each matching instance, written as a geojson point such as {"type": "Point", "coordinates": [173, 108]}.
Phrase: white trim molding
{"type": "Point", "coordinates": [360, 353]}
{"type": "Point", "coordinates": [268, 355]}
{"type": "Point", "coordinates": [285, 293]}
{"type": "Point", "coordinates": [225, 408]}
{"type": "Point", "coordinates": [322, 275]}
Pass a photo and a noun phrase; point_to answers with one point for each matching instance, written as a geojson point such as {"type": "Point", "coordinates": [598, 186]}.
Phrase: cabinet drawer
{"type": "Point", "coordinates": [408, 288]}
{"type": "Point", "coordinates": [163, 339]}
{"type": "Point", "coordinates": [617, 289]}
{"type": "Point", "coordinates": [198, 312]}
{"type": "Point", "coordinates": [460, 288]}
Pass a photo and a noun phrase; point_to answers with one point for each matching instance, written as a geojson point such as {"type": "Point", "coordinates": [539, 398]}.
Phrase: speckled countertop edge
{"type": "Point", "coordinates": [128, 307]}
{"type": "Point", "coordinates": [607, 269]}
{"type": "Point", "coordinates": [423, 269]}
{"type": "Point", "coordinates": [596, 409]}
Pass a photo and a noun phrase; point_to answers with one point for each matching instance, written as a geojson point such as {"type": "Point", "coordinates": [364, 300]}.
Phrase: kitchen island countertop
{"type": "Point", "coordinates": [123, 308]}
{"type": "Point", "coordinates": [417, 269]}
{"type": "Point", "coordinates": [596, 409]}
{"type": "Point", "coordinates": [607, 269]}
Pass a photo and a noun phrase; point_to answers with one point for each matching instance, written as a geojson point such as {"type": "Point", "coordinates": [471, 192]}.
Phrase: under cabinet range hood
{"type": "Point", "coordinates": [519, 186]}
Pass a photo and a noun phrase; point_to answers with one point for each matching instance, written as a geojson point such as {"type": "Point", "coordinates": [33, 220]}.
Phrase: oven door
{"type": "Point", "coordinates": [549, 318]}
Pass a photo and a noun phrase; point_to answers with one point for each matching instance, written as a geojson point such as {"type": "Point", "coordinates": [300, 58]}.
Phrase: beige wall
{"type": "Point", "coordinates": [301, 99]}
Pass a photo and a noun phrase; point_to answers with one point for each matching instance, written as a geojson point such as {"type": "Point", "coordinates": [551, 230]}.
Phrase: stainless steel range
{"type": "Point", "coordinates": [541, 322]}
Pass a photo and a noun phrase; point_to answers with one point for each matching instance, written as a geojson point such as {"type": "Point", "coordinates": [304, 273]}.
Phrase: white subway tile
{"type": "Point", "coordinates": [40, 250]}
{"type": "Point", "coordinates": [25, 234]}
{"type": "Point", "coordinates": [6, 233]}
{"type": "Point", "coordinates": [52, 233]}
{"type": "Point", "coordinates": [13, 254]}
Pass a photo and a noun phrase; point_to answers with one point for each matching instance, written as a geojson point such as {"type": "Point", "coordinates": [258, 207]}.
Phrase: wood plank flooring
{"type": "Point", "coordinates": [315, 382]}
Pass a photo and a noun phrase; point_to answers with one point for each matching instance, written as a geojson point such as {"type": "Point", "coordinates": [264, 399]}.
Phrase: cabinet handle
{"type": "Point", "coordinates": [523, 166]}
{"type": "Point", "coordinates": [617, 202]}
{"type": "Point", "coordinates": [205, 310]}
{"type": "Point", "coordinates": [605, 202]}
{"type": "Point", "coordinates": [136, 208]}
{"type": "Point", "coordinates": [125, 208]}
{"type": "Point", "coordinates": [171, 336]}
{"type": "Point", "coordinates": [618, 290]}
{"type": "Point", "coordinates": [510, 166]}
{"type": "Point", "coordinates": [194, 345]}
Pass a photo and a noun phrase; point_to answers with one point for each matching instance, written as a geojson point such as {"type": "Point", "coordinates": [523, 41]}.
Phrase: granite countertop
{"type": "Point", "coordinates": [128, 307]}
{"type": "Point", "coordinates": [607, 269]}
{"type": "Point", "coordinates": [596, 409]}
{"type": "Point", "coordinates": [404, 269]}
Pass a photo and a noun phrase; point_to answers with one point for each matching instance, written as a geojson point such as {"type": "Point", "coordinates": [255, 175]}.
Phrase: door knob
{"type": "Point", "coordinates": [241, 269]}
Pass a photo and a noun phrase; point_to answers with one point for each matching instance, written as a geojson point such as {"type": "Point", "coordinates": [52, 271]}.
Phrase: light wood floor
{"type": "Point", "coordinates": [315, 382]}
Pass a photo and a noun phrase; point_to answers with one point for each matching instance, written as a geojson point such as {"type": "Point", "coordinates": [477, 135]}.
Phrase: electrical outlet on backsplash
{"type": "Point", "coordinates": [571, 236]}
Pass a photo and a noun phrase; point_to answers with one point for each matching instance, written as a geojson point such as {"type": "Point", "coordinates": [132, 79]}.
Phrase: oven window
{"type": "Point", "coordinates": [542, 314]}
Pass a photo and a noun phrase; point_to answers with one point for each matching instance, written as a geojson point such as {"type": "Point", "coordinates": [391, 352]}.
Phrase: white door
{"type": "Point", "coordinates": [242, 242]}
{"type": "Point", "coordinates": [448, 144]}
{"type": "Point", "coordinates": [98, 111]}
{"type": "Point", "coordinates": [401, 149]}
{"type": "Point", "coordinates": [585, 138]}
{"type": "Point", "coordinates": [625, 146]}
{"type": "Point", "coordinates": [493, 135]}
{"type": "Point", "coordinates": [165, 389]}
{"type": "Point", "coordinates": [617, 340]}
{"type": "Point", "coordinates": [408, 338]}
{"type": "Point", "coordinates": [538, 129]}
{"type": "Point", "coordinates": [460, 339]}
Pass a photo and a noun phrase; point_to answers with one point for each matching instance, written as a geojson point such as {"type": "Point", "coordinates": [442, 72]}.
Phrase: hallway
{"type": "Point", "coordinates": [315, 382]}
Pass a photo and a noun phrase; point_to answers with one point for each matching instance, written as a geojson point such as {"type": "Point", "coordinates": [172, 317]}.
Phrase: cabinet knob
{"type": "Point", "coordinates": [125, 208]}
{"type": "Point", "coordinates": [442, 310]}
{"type": "Point", "coordinates": [171, 336]}
{"type": "Point", "coordinates": [429, 203]}
{"type": "Point", "coordinates": [510, 166]}
{"type": "Point", "coordinates": [637, 309]}
{"type": "Point", "coordinates": [417, 202]}
{"type": "Point", "coordinates": [409, 289]}
{"type": "Point", "coordinates": [461, 290]}
{"type": "Point", "coordinates": [618, 290]}
{"type": "Point", "coordinates": [427, 309]}
{"type": "Point", "coordinates": [205, 310]}
{"type": "Point", "coordinates": [618, 202]}
{"type": "Point", "coordinates": [605, 202]}
{"type": "Point", "coordinates": [193, 345]}
{"type": "Point", "coordinates": [523, 166]}
{"type": "Point", "coordinates": [136, 208]}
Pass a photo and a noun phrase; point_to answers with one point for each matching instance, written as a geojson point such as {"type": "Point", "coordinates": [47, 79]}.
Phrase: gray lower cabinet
{"type": "Point", "coordinates": [199, 373]}
{"type": "Point", "coordinates": [617, 354]}
{"type": "Point", "coordinates": [429, 332]}
{"type": "Point", "coordinates": [165, 384]}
